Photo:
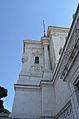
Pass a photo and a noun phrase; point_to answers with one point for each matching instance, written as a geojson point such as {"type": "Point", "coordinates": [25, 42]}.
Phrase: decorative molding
{"type": "Point", "coordinates": [59, 34]}
{"type": "Point", "coordinates": [71, 54]}
{"type": "Point", "coordinates": [36, 52]}
{"type": "Point", "coordinates": [45, 40]}
{"type": "Point", "coordinates": [26, 86]}
{"type": "Point", "coordinates": [65, 112]}
{"type": "Point", "coordinates": [36, 68]}
{"type": "Point", "coordinates": [32, 41]}
{"type": "Point", "coordinates": [47, 117]}
{"type": "Point", "coordinates": [76, 80]}
{"type": "Point", "coordinates": [52, 29]}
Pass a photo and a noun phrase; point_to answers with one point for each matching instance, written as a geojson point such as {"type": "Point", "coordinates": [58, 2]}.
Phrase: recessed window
{"type": "Point", "coordinates": [36, 60]}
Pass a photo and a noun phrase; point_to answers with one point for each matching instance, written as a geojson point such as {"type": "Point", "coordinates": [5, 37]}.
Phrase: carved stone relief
{"type": "Point", "coordinates": [36, 68]}
{"type": "Point", "coordinates": [59, 35]}
{"type": "Point", "coordinates": [70, 55]}
{"type": "Point", "coordinates": [37, 52]}
{"type": "Point", "coordinates": [66, 113]}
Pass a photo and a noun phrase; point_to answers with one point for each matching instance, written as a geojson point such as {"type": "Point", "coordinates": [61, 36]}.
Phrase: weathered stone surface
{"type": "Point", "coordinates": [49, 89]}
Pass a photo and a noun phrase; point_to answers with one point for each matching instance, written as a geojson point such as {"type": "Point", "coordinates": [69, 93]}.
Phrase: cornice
{"type": "Point", "coordinates": [32, 42]}
{"type": "Point", "coordinates": [71, 32]}
{"type": "Point", "coordinates": [26, 86]}
{"type": "Point", "coordinates": [52, 29]}
{"type": "Point", "coordinates": [70, 57]}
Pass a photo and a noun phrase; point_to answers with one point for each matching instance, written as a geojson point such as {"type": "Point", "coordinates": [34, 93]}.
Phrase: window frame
{"type": "Point", "coordinates": [36, 59]}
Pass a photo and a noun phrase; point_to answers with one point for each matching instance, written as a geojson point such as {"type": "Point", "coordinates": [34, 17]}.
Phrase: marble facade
{"type": "Point", "coordinates": [48, 84]}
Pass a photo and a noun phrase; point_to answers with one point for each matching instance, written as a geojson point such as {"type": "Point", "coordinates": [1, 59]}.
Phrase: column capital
{"type": "Point", "coordinates": [45, 40]}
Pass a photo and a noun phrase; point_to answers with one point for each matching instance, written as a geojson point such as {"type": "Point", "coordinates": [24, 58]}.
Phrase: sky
{"type": "Point", "coordinates": [21, 20]}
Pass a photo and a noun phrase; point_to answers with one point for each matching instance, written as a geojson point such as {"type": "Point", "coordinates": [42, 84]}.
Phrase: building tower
{"type": "Point", "coordinates": [34, 94]}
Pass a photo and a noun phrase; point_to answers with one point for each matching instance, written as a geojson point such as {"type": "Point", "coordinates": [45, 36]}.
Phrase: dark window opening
{"type": "Point", "coordinates": [36, 60]}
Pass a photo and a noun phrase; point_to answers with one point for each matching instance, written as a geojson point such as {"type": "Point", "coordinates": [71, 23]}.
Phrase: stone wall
{"type": "Point", "coordinates": [4, 116]}
{"type": "Point", "coordinates": [66, 112]}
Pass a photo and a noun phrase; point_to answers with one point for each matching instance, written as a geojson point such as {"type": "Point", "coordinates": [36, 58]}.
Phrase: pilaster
{"type": "Point", "coordinates": [45, 42]}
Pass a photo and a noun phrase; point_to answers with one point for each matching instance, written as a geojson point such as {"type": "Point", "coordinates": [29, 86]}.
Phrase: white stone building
{"type": "Point", "coordinates": [48, 84]}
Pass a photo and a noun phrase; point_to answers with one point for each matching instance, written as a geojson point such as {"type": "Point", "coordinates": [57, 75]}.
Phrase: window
{"type": "Point", "coordinates": [36, 60]}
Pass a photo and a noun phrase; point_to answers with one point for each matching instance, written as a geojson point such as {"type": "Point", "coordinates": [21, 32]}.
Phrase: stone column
{"type": "Point", "coordinates": [45, 41]}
